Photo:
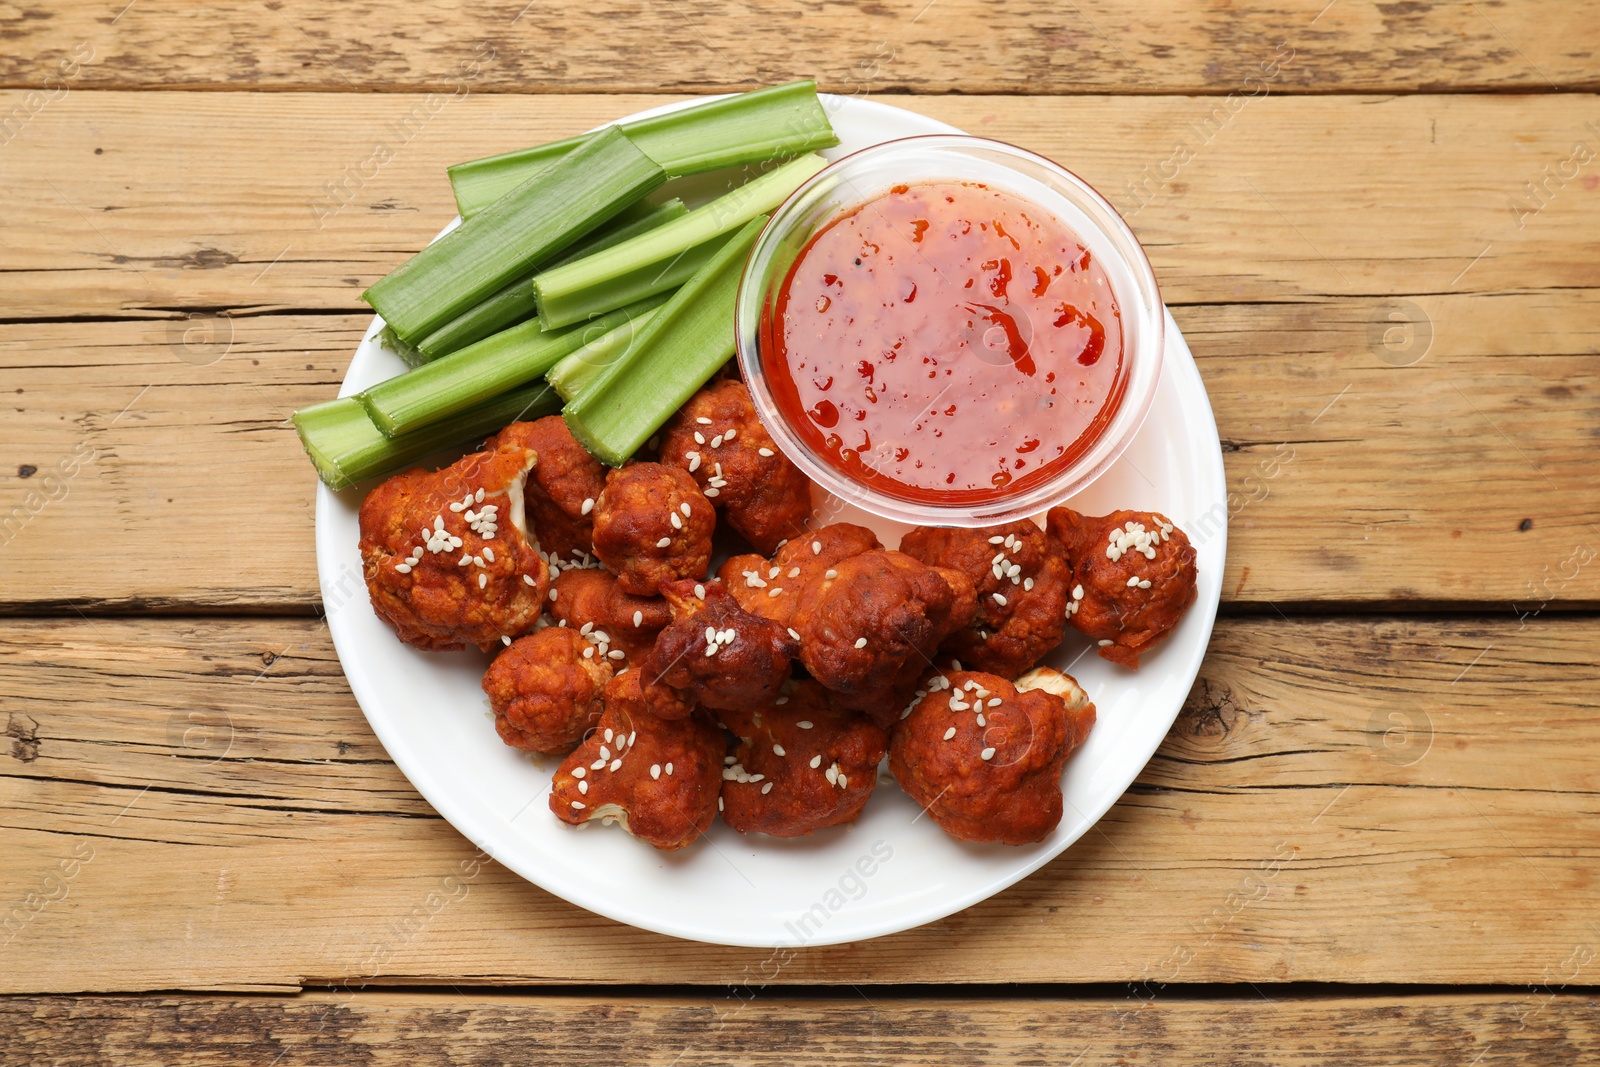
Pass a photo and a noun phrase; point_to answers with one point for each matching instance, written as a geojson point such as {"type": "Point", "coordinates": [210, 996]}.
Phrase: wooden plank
{"type": "Point", "coordinates": [973, 46]}
{"type": "Point", "coordinates": [124, 421]}
{"type": "Point", "coordinates": [420, 1029]}
{"type": "Point", "coordinates": [1341, 800]}
{"type": "Point", "coordinates": [120, 203]}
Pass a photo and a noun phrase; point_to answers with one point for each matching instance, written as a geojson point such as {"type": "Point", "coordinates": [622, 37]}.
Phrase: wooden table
{"type": "Point", "coordinates": [1368, 838]}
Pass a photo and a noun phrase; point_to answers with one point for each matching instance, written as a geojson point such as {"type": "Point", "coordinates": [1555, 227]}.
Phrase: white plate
{"type": "Point", "coordinates": [890, 871]}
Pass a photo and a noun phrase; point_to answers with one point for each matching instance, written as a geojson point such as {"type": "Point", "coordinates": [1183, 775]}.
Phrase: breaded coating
{"type": "Point", "coordinates": [546, 690]}
{"type": "Point", "coordinates": [561, 494]}
{"type": "Point", "coordinates": [799, 765]}
{"type": "Point", "coordinates": [771, 588]}
{"type": "Point", "coordinates": [446, 555]}
{"type": "Point", "coordinates": [718, 438]}
{"type": "Point", "coordinates": [877, 621]}
{"type": "Point", "coordinates": [1021, 583]}
{"type": "Point", "coordinates": [984, 757]}
{"type": "Point", "coordinates": [639, 694]}
{"type": "Point", "coordinates": [716, 652]}
{"type": "Point", "coordinates": [1133, 575]}
{"type": "Point", "coordinates": [658, 778]}
{"type": "Point", "coordinates": [652, 525]}
{"type": "Point", "coordinates": [590, 597]}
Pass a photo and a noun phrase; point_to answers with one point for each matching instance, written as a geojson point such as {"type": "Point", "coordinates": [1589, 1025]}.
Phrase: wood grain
{"type": "Point", "coordinates": [198, 804]}
{"type": "Point", "coordinates": [1345, 471]}
{"type": "Point", "coordinates": [421, 1029]}
{"type": "Point", "coordinates": [124, 204]}
{"type": "Point", "coordinates": [943, 46]}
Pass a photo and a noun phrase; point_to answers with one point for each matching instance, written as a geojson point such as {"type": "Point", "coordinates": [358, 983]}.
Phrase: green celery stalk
{"type": "Point", "coordinates": [675, 354]}
{"type": "Point", "coordinates": [596, 284]}
{"type": "Point", "coordinates": [755, 127]}
{"type": "Point", "coordinates": [496, 246]}
{"type": "Point", "coordinates": [575, 372]}
{"type": "Point", "coordinates": [345, 447]}
{"type": "Point", "coordinates": [516, 301]}
{"type": "Point", "coordinates": [481, 371]}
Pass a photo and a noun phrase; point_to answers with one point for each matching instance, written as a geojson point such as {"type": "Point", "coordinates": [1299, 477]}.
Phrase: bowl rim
{"type": "Point", "coordinates": [1113, 231]}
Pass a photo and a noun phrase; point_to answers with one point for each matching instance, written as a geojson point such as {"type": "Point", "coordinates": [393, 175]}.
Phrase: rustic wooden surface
{"type": "Point", "coordinates": [423, 1029]}
{"type": "Point", "coordinates": [1399, 337]}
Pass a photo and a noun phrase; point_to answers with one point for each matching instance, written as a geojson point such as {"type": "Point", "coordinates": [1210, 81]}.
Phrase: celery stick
{"type": "Point", "coordinates": [501, 243]}
{"type": "Point", "coordinates": [575, 372]}
{"type": "Point", "coordinates": [608, 279]}
{"type": "Point", "coordinates": [516, 301]}
{"type": "Point", "coordinates": [345, 447]}
{"type": "Point", "coordinates": [676, 352]}
{"type": "Point", "coordinates": [756, 127]}
{"type": "Point", "coordinates": [483, 370]}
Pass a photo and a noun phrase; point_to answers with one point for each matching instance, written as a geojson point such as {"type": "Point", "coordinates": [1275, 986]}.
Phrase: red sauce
{"type": "Point", "coordinates": [948, 343]}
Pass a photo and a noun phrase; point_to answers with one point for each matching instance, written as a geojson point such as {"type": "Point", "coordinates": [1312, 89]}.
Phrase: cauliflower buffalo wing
{"type": "Point", "coordinates": [984, 757]}
{"type": "Point", "coordinates": [717, 653]}
{"type": "Point", "coordinates": [652, 525]}
{"type": "Point", "coordinates": [447, 555]}
{"type": "Point", "coordinates": [658, 778]}
{"type": "Point", "coordinates": [1133, 575]}
{"type": "Point", "coordinates": [717, 438]}
{"type": "Point", "coordinates": [799, 765]}
{"type": "Point", "coordinates": [1022, 587]}
{"type": "Point", "coordinates": [590, 600]}
{"type": "Point", "coordinates": [546, 690]}
{"type": "Point", "coordinates": [561, 493]}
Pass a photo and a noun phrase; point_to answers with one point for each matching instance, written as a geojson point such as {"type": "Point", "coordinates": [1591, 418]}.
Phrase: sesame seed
{"type": "Point", "coordinates": [832, 773]}
{"type": "Point", "coordinates": [578, 772]}
{"type": "Point", "coordinates": [1144, 583]}
{"type": "Point", "coordinates": [638, 618]}
{"type": "Point", "coordinates": [483, 581]}
{"type": "Point", "coordinates": [999, 599]}
{"type": "Point", "coordinates": [764, 452]}
{"type": "Point", "coordinates": [730, 760]}
{"type": "Point", "coordinates": [588, 505]}
{"type": "Point", "coordinates": [794, 572]}
{"type": "Point", "coordinates": [1027, 584]}
{"type": "Point", "coordinates": [488, 553]}
{"type": "Point", "coordinates": [700, 592]}
{"type": "Point", "coordinates": [773, 573]}
{"type": "Point", "coordinates": [777, 750]}
{"type": "Point", "coordinates": [1077, 592]}
{"type": "Point", "coordinates": [986, 754]}
{"type": "Point", "coordinates": [1104, 642]}
{"type": "Point", "coordinates": [578, 804]}
{"type": "Point", "coordinates": [948, 734]}
{"type": "Point", "coordinates": [981, 720]}
{"type": "Point", "coordinates": [553, 593]}
{"type": "Point", "coordinates": [861, 642]}
{"type": "Point", "coordinates": [631, 735]}
{"type": "Point", "coordinates": [730, 435]}
{"type": "Point", "coordinates": [703, 421]}
{"type": "Point", "coordinates": [664, 542]}
{"type": "Point", "coordinates": [655, 770]}
{"type": "Point", "coordinates": [403, 568]}
{"type": "Point", "coordinates": [719, 804]}
{"type": "Point", "coordinates": [583, 787]}
{"type": "Point", "coordinates": [816, 548]}
{"type": "Point", "coordinates": [597, 764]}
{"type": "Point", "coordinates": [780, 701]}
{"type": "Point", "coordinates": [677, 523]}
{"type": "Point", "coordinates": [995, 702]}
{"type": "Point", "coordinates": [711, 649]}
{"type": "Point", "coordinates": [997, 540]}
{"type": "Point", "coordinates": [686, 509]}
{"type": "Point", "coordinates": [766, 789]}
{"type": "Point", "coordinates": [830, 574]}
{"type": "Point", "coordinates": [1133, 581]}
{"type": "Point", "coordinates": [586, 629]}
{"type": "Point", "coordinates": [694, 461]}
{"type": "Point", "coordinates": [757, 777]}
{"type": "Point", "coordinates": [712, 492]}
{"type": "Point", "coordinates": [716, 442]}
{"type": "Point", "coordinates": [775, 590]}
{"type": "Point", "coordinates": [816, 761]}
{"type": "Point", "coordinates": [669, 770]}
{"type": "Point", "coordinates": [588, 653]}
{"type": "Point", "coordinates": [616, 653]}
{"type": "Point", "coordinates": [478, 497]}
{"type": "Point", "coordinates": [794, 633]}
{"type": "Point", "coordinates": [842, 781]}
{"type": "Point", "coordinates": [615, 763]}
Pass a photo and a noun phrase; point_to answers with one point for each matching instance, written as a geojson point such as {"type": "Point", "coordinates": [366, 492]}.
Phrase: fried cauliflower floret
{"type": "Point", "coordinates": [1133, 577]}
{"type": "Point", "coordinates": [561, 493]}
{"type": "Point", "coordinates": [772, 588]}
{"type": "Point", "coordinates": [984, 757]}
{"type": "Point", "coordinates": [590, 597]}
{"type": "Point", "coordinates": [874, 621]}
{"type": "Point", "coordinates": [639, 694]}
{"type": "Point", "coordinates": [447, 556]}
{"type": "Point", "coordinates": [546, 690]}
{"type": "Point", "coordinates": [652, 525]}
{"type": "Point", "coordinates": [717, 438]}
{"type": "Point", "coordinates": [716, 652]}
{"type": "Point", "coordinates": [799, 765]}
{"type": "Point", "coordinates": [658, 778]}
{"type": "Point", "coordinates": [1021, 584]}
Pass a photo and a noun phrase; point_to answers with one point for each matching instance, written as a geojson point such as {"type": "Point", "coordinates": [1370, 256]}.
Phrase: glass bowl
{"type": "Point", "coordinates": [872, 172]}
